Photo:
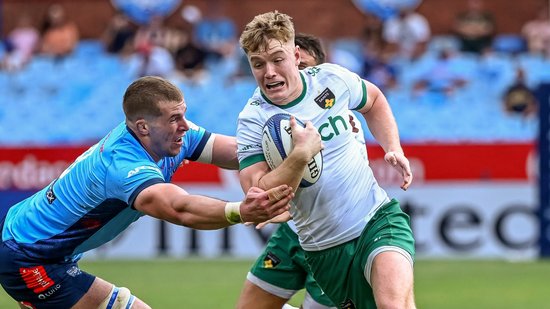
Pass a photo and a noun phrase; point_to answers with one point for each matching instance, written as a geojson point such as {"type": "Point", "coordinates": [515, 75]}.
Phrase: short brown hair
{"type": "Point", "coordinates": [143, 96]}
{"type": "Point", "coordinates": [312, 45]}
{"type": "Point", "coordinates": [271, 25]}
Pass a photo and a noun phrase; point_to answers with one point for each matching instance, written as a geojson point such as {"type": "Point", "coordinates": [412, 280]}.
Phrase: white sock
{"type": "Point", "coordinates": [287, 306]}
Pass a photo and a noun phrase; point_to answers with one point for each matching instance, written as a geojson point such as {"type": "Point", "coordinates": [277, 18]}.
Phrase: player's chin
{"type": "Point", "coordinates": [174, 150]}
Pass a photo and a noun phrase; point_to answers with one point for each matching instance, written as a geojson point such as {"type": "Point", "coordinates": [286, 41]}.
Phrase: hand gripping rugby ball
{"type": "Point", "coordinates": [277, 144]}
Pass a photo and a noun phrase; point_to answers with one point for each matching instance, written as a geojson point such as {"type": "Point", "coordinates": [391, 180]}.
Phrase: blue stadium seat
{"type": "Point", "coordinates": [91, 83]}
{"type": "Point", "coordinates": [509, 43]}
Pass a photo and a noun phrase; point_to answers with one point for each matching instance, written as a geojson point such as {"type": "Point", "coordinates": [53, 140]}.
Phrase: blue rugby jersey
{"type": "Point", "coordinates": [90, 203]}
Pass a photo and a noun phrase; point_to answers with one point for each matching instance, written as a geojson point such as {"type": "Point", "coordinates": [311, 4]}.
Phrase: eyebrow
{"type": "Point", "coordinates": [268, 56]}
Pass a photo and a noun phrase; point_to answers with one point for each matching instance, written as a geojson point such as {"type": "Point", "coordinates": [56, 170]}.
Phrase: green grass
{"type": "Point", "coordinates": [216, 283]}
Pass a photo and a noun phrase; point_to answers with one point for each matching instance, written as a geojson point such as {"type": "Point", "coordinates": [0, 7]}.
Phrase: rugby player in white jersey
{"type": "Point", "coordinates": [357, 241]}
{"type": "Point", "coordinates": [281, 270]}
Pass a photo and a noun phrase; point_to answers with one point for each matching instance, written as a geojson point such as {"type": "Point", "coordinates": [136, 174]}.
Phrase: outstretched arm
{"type": "Point", "coordinates": [381, 123]}
{"type": "Point", "coordinates": [171, 203]}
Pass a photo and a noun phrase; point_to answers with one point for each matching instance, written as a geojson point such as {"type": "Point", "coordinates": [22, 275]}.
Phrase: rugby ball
{"type": "Point", "coordinates": [277, 144]}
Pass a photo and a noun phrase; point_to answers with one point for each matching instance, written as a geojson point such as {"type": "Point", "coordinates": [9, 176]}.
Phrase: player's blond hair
{"type": "Point", "coordinates": [271, 25]}
{"type": "Point", "coordinates": [143, 96]}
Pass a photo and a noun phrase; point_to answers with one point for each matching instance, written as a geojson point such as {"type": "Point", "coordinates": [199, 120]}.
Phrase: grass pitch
{"type": "Point", "coordinates": [216, 283]}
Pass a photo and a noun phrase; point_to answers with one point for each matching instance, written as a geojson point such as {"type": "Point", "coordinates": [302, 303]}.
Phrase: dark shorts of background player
{"type": "Point", "coordinates": [340, 270]}
{"type": "Point", "coordinates": [283, 264]}
{"type": "Point", "coordinates": [39, 285]}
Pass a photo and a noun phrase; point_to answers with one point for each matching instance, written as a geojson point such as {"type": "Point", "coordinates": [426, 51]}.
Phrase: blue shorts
{"type": "Point", "coordinates": [36, 284]}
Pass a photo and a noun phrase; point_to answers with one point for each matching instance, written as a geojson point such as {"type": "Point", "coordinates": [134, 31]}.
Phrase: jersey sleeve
{"type": "Point", "coordinates": [127, 177]}
{"type": "Point", "coordinates": [193, 143]}
{"type": "Point", "coordinates": [249, 137]}
{"type": "Point", "coordinates": [355, 84]}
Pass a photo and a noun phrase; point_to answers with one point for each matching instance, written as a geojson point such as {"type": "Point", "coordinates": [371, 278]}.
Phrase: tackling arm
{"type": "Point", "coordinates": [171, 203]}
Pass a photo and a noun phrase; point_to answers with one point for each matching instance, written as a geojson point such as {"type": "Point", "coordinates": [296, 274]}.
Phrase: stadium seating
{"type": "Point", "coordinates": [76, 100]}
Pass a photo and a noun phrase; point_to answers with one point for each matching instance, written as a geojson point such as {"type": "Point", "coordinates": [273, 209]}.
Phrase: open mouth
{"type": "Point", "coordinates": [179, 140]}
{"type": "Point", "coordinates": [274, 85]}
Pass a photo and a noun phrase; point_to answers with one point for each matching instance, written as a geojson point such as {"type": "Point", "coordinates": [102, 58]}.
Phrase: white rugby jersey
{"type": "Point", "coordinates": [338, 206]}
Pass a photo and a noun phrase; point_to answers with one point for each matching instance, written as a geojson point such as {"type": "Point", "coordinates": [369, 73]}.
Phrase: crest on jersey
{"type": "Point", "coordinates": [50, 195]}
{"type": "Point", "coordinates": [326, 99]}
{"type": "Point", "coordinates": [271, 260]}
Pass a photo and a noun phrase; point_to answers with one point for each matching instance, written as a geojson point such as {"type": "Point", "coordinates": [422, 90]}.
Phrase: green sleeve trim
{"type": "Point", "coordinates": [251, 160]}
{"type": "Point", "coordinates": [364, 98]}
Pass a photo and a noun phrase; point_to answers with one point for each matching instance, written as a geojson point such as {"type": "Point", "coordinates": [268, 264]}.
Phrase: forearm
{"type": "Point", "coordinates": [171, 203]}
{"type": "Point", "coordinates": [290, 172]}
{"type": "Point", "coordinates": [200, 212]}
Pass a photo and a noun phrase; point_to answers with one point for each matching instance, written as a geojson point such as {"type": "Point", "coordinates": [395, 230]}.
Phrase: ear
{"type": "Point", "coordinates": [142, 127]}
{"type": "Point", "coordinates": [297, 55]}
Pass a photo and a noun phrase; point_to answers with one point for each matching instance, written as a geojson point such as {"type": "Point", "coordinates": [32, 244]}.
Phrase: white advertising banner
{"type": "Point", "coordinates": [449, 220]}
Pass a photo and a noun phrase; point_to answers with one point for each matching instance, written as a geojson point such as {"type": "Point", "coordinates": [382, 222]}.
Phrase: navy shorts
{"type": "Point", "coordinates": [41, 285]}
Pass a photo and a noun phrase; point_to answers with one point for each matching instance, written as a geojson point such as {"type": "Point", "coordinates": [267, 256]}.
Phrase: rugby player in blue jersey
{"type": "Point", "coordinates": [125, 176]}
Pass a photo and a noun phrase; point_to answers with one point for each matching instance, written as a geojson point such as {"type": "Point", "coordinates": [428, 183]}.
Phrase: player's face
{"type": "Point", "coordinates": [167, 130]}
{"type": "Point", "coordinates": [276, 71]}
{"type": "Point", "coordinates": [306, 59]}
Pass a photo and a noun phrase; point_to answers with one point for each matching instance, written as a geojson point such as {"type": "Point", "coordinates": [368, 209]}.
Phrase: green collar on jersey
{"type": "Point", "coordinates": [294, 102]}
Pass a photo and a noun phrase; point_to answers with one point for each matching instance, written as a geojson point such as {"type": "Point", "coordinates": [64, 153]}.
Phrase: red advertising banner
{"type": "Point", "coordinates": [33, 168]}
{"type": "Point", "coordinates": [464, 162]}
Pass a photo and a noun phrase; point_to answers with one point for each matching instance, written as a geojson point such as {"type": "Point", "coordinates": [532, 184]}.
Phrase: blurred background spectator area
{"type": "Point", "coordinates": [333, 19]}
{"type": "Point", "coordinates": [438, 92]}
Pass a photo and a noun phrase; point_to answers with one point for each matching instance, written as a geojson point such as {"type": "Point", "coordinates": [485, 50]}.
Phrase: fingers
{"type": "Point", "coordinates": [279, 206]}
{"type": "Point", "coordinates": [401, 163]}
{"type": "Point", "coordinates": [278, 193]}
{"type": "Point", "coordinates": [284, 217]}
{"type": "Point", "coordinates": [293, 123]}
{"type": "Point", "coordinates": [260, 205]}
{"type": "Point", "coordinates": [255, 190]}
{"type": "Point", "coordinates": [407, 179]}
{"type": "Point", "coordinates": [262, 224]}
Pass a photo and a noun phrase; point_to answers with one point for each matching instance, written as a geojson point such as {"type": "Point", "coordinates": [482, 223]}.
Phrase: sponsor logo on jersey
{"type": "Point", "coordinates": [313, 71]}
{"type": "Point", "coordinates": [271, 260]}
{"type": "Point", "coordinates": [139, 168]}
{"type": "Point", "coordinates": [74, 271]}
{"type": "Point", "coordinates": [256, 103]}
{"type": "Point", "coordinates": [248, 147]}
{"type": "Point", "coordinates": [326, 99]}
{"type": "Point", "coordinates": [333, 127]}
{"type": "Point", "coordinates": [36, 278]}
{"type": "Point", "coordinates": [347, 304]}
{"type": "Point", "coordinates": [50, 292]}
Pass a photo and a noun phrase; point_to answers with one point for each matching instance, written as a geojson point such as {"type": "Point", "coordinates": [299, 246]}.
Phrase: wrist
{"type": "Point", "coordinates": [301, 155]}
{"type": "Point", "coordinates": [233, 212]}
{"type": "Point", "coordinates": [396, 150]}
